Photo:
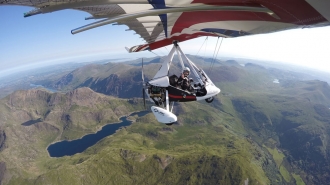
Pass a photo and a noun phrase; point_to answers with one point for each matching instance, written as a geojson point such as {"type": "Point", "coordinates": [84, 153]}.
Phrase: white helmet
{"type": "Point", "coordinates": [186, 69]}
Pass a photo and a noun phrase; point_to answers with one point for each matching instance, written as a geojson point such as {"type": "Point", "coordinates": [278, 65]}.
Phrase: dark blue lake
{"type": "Point", "coordinates": [64, 148]}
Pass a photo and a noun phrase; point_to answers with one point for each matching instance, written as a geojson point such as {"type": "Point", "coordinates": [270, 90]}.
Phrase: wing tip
{"type": "Point", "coordinates": [128, 50]}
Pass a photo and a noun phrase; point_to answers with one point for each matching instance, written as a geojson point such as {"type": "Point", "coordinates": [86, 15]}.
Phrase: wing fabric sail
{"type": "Point", "coordinates": [160, 22]}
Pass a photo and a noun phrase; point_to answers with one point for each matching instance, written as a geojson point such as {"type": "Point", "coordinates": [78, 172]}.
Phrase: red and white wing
{"type": "Point", "coordinates": [160, 22]}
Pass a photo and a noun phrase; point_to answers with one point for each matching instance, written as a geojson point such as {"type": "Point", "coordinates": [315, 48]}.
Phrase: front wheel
{"type": "Point", "coordinates": [209, 100]}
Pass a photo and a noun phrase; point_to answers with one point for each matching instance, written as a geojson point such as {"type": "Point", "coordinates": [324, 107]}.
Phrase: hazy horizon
{"type": "Point", "coordinates": [58, 62]}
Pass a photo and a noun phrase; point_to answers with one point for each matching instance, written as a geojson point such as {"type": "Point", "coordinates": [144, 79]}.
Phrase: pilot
{"type": "Point", "coordinates": [184, 81]}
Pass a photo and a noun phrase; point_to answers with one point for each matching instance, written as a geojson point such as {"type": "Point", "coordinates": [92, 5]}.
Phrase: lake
{"type": "Point", "coordinates": [69, 148]}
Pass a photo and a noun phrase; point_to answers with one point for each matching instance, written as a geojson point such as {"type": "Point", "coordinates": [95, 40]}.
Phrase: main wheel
{"type": "Point", "coordinates": [209, 100]}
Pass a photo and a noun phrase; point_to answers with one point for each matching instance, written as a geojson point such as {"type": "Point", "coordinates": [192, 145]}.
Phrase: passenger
{"type": "Point", "coordinates": [184, 81]}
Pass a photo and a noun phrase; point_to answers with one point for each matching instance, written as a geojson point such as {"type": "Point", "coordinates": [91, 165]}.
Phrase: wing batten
{"type": "Point", "coordinates": [160, 4]}
{"type": "Point", "coordinates": [169, 10]}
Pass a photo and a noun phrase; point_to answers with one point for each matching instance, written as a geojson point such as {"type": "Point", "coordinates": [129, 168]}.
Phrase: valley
{"type": "Point", "coordinates": [255, 130]}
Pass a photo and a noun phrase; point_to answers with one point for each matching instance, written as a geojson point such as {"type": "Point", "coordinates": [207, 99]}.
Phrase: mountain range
{"type": "Point", "coordinates": [257, 131]}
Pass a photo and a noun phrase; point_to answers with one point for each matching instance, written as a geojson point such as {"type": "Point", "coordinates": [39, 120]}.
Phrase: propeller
{"type": "Point", "coordinates": [143, 89]}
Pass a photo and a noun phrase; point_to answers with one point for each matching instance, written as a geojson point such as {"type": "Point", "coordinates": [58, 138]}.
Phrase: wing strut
{"type": "Point", "coordinates": [180, 58]}
{"type": "Point", "coordinates": [191, 65]}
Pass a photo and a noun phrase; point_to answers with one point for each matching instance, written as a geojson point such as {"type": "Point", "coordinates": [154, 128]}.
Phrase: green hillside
{"type": "Point", "coordinates": [194, 152]}
{"type": "Point", "coordinates": [31, 120]}
{"type": "Point", "coordinates": [255, 131]}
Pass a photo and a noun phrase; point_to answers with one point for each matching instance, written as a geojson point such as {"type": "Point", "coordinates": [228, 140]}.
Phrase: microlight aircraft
{"type": "Point", "coordinates": [164, 22]}
{"type": "Point", "coordinates": [164, 90]}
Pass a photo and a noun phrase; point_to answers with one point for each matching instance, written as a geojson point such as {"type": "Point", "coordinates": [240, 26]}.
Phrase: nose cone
{"type": "Point", "coordinates": [213, 90]}
{"type": "Point", "coordinates": [217, 91]}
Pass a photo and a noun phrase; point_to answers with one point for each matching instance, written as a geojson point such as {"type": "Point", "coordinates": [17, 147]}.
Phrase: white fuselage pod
{"type": "Point", "coordinates": [211, 90]}
{"type": "Point", "coordinates": [163, 116]}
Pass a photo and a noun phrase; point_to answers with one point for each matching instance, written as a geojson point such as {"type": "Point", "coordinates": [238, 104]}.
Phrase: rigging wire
{"type": "Point", "coordinates": [204, 53]}
{"type": "Point", "coordinates": [154, 53]}
{"type": "Point", "coordinates": [161, 52]}
{"type": "Point", "coordinates": [205, 42]}
{"type": "Point", "coordinates": [216, 54]}
{"type": "Point", "coordinates": [202, 45]}
{"type": "Point", "coordinates": [166, 48]}
{"type": "Point", "coordinates": [216, 45]}
{"type": "Point", "coordinates": [205, 49]}
{"type": "Point", "coordinates": [164, 51]}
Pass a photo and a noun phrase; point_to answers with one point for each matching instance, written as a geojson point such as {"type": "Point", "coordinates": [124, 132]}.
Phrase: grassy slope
{"type": "Point", "coordinates": [151, 153]}
{"type": "Point", "coordinates": [278, 157]}
{"type": "Point", "coordinates": [59, 116]}
{"type": "Point", "coordinates": [292, 115]}
{"type": "Point", "coordinates": [298, 179]}
{"type": "Point", "coordinates": [205, 149]}
{"type": "Point", "coordinates": [229, 133]}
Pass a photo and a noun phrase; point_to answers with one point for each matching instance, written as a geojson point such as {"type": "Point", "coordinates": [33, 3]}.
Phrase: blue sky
{"type": "Point", "coordinates": [45, 39]}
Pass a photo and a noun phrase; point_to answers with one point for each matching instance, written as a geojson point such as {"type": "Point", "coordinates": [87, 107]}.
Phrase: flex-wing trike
{"type": "Point", "coordinates": [164, 90]}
